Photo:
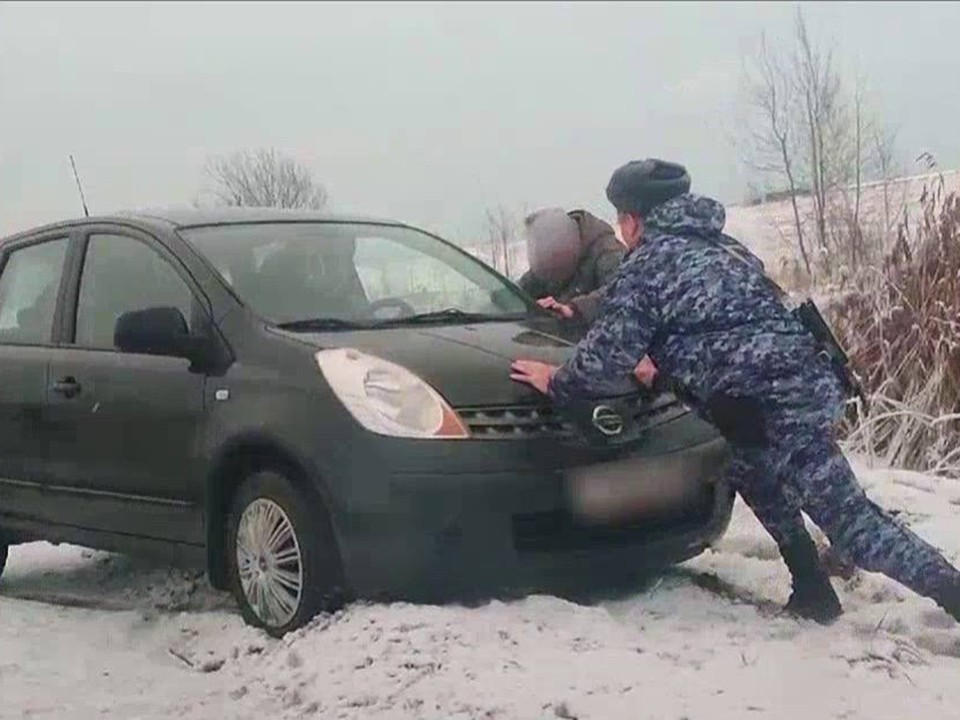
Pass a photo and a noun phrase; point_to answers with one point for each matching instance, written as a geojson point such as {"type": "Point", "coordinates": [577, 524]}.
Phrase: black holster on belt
{"type": "Point", "coordinates": [830, 349]}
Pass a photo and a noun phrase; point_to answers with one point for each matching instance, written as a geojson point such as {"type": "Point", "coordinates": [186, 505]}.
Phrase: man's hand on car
{"type": "Point", "coordinates": [538, 374]}
{"type": "Point", "coordinates": [646, 371]}
{"type": "Point", "coordinates": [535, 374]}
{"type": "Point", "coordinates": [554, 305]}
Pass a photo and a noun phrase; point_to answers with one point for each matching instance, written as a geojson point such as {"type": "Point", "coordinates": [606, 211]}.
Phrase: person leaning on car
{"type": "Point", "coordinates": [572, 257]}
{"type": "Point", "coordinates": [700, 304]}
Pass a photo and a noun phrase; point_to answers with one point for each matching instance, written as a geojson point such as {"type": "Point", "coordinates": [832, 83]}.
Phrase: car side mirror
{"type": "Point", "coordinates": [156, 331]}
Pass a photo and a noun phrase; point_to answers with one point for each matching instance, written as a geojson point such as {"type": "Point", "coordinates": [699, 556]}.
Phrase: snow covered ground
{"type": "Point", "coordinates": [92, 635]}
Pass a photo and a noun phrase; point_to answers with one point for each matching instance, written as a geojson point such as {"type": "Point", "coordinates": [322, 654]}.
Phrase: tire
{"type": "Point", "coordinates": [4, 548]}
{"type": "Point", "coordinates": [268, 506]}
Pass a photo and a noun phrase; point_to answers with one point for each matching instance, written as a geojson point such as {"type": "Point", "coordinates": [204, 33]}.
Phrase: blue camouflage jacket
{"type": "Point", "coordinates": [711, 323]}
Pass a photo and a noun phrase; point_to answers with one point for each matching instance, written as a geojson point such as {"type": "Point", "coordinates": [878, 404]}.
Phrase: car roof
{"type": "Point", "coordinates": [177, 218]}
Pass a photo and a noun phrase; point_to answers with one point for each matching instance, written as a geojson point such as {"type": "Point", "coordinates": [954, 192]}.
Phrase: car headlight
{"type": "Point", "coordinates": [388, 399]}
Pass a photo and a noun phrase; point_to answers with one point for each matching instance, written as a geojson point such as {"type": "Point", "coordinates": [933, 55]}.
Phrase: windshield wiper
{"type": "Point", "coordinates": [455, 314]}
{"type": "Point", "coordinates": [322, 323]}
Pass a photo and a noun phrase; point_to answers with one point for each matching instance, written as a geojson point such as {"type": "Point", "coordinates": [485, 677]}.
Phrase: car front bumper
{"type": "Point", "coordinates": [515, 526]}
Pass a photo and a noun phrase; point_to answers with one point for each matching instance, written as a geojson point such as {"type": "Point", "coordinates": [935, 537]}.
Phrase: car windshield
{"type": "Point", "coordinates": [339, 275]}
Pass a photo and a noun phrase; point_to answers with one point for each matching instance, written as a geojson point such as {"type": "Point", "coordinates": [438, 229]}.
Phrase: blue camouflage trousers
{"type": "Point", "coordinates": [802, 469]}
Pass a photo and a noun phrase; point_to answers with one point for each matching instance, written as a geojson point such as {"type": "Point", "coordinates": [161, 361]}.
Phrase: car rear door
{"type": "Point", "coordinates": [31, 281]}
{"type": "Point", "coordinates": [123, 427]}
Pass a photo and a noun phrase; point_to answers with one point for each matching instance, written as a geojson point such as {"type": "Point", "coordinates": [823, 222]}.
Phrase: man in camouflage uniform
{"type": "Point", "coordinates": [572, 257]}
{"type": "Point", "coordinates": [713, 324]}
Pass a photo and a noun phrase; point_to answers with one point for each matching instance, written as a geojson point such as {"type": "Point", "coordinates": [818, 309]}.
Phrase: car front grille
{"type": "Point", "coordinates": [519, 422]}
{"type": "Point", "coordinates": [515, 422]}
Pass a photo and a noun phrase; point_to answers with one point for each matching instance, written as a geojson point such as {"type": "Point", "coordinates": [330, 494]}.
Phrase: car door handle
{"type": "Point", "coordinates": [67, 387]}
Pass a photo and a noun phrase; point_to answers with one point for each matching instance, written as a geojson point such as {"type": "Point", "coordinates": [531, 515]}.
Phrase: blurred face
{"type": "Point", "coordinates": [631, 229]}
{"type": "Point", "coordinates": [553, 248]}
{"type": "Point", "coordinates": [554, 262]}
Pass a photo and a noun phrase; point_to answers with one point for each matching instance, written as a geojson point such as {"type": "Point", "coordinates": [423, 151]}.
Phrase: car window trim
{"type": "Point", "coordinates": [61, 233]}
{"type": "Point", "coordinates": [68, 326]}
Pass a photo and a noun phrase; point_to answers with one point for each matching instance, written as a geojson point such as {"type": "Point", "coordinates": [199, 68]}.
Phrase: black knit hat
{"type": "Point", "coordinates": [641, 185]}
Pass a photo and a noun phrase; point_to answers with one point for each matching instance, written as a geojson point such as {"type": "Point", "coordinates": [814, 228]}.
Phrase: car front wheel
{"type": "Point", "coordinates": [285, 567]}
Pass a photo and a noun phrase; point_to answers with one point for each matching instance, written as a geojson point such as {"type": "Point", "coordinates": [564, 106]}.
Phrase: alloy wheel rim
{"type": "Point", "coordinates": [269, 562]}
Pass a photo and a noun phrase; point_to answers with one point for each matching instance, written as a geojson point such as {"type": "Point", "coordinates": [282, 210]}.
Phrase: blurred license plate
{"type": "Point", "coordinates": [620, 491]}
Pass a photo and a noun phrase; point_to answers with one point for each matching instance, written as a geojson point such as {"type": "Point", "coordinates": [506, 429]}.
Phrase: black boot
{"type": "Point", "coordinates": [813, 596]}
{"type": "Point", "coordinates": [949, 599]}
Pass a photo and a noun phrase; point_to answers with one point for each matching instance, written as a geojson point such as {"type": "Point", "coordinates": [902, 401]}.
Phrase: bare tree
{"type": "Point", "coordinates": [866, 148]}
{"type": "Point", "coordinates": [856, 231]}
{"type": "Point", "coordinates": [263, 178]}
{"type": "Point", "coordinates": [886, 168]}
{"type": "Point", "coordinates": [773, 138]}
{"type": "Point", "coordinates": [501, 237]}
{"type": "Point", "coordinates": [819, 85]}
{"type": "Point", "coordinates": [810, 133]}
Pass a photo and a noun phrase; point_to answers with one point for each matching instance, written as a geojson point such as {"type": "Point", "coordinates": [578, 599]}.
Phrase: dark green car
{"type": "Point", "coordinates": [319, 408]}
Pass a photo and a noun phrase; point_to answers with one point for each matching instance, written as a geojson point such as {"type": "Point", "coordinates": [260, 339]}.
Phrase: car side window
{"type": "Point", "coordinates": [29, 284]}
{"type": "Point", "coordinates": [122, 274]}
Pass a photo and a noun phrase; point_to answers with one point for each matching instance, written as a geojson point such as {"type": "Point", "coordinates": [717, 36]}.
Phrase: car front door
{"type": "Point", "coordinates": [122, 426]}
{"type": "Point", "coordinates": [31, 274]}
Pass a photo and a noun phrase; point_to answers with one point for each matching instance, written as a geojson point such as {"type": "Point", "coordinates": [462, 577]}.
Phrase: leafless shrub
{"type": "Point", "coordinates": [901, 325]}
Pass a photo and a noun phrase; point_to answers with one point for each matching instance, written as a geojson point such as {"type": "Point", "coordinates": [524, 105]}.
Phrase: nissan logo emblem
{"type": "Point", "coordinates": [607, 420]}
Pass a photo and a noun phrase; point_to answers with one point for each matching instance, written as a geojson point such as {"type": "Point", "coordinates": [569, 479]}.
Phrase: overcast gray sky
{"type": "Point", "coordinates": [430, 112]}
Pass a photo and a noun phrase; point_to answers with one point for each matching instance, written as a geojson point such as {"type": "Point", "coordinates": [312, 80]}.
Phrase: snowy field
{"type": "Point", "coordinates": [91, 635]}
{"type": "Point", "coordinates": [769, 231]}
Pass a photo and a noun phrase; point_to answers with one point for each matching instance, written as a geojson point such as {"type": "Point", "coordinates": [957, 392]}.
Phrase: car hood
{"type": "Point", "coordinates": [468, 364]}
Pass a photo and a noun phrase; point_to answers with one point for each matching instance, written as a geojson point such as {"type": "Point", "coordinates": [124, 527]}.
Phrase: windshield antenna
{"type": "Point", "coordinates": [83, 200]}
